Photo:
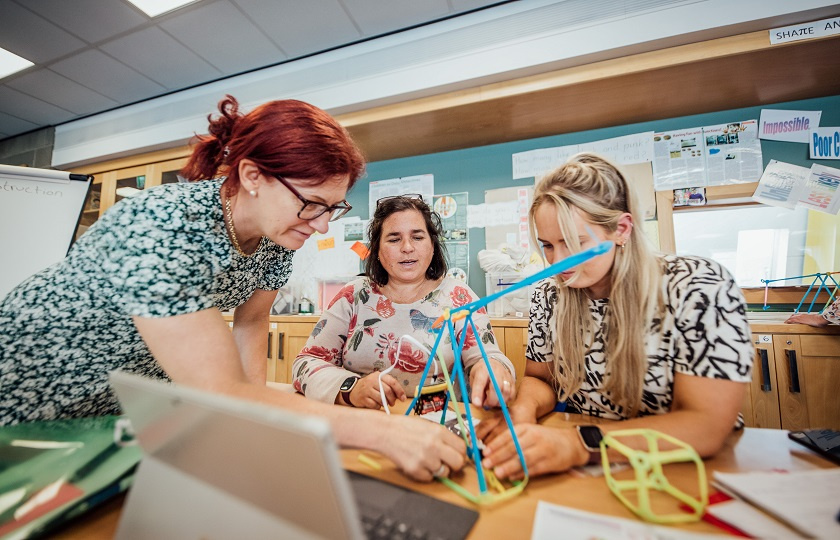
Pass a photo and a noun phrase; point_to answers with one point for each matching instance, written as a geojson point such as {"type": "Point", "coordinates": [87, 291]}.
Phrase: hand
{"type": "Point", "coordinates": [482, 393]}
{"type": "Point", "coordinates": [422, 449]}
{"type": "Point", "coordinates": [495, 425]}
{"type": "Point", "coordinates": [546, 450]}
{"type": "Point", "coordinates": [366, 392]}
{"type": "Point", "coordinates": [811, 319]}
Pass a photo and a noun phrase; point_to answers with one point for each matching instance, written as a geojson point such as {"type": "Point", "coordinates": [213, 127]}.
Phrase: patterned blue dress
{"type": "Point", "coordinates": [162, 253]}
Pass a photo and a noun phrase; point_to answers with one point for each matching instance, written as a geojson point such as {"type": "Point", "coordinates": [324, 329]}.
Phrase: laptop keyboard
{"type": "Point", "coordinates": [383, 527]}
{"type": "Point", "coordinates": [394, 512]}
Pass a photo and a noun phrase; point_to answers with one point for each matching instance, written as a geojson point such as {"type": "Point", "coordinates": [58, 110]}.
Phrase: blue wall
{"type": "Point", "coordinates": [476, 170]}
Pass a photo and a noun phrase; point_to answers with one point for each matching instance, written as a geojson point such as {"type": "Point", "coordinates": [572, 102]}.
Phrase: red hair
{"type": "Point", "coordinates": [286, 138]}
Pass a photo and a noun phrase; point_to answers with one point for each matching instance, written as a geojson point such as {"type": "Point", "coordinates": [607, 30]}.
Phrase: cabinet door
{"type": "Point", "coordinates": [792, 385]}
{"type": "Point", "coordinates": [292, 338]}
{"type": "Point", "coordinates": [516, 341]}
{"type": "Point", "coordinates": [820, 373]}
{"type": "Point", "coordinates": [762, 405]}
{"type": "Point", "coordinates": [273, 355]}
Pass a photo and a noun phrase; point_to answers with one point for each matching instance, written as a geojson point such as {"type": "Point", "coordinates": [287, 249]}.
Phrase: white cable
{"type": "Point", "coordinates": [417, 344]}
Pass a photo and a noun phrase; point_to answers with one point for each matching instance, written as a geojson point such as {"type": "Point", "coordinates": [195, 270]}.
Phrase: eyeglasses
{"type": "Point", "coordinates": [404, 196]}
{"type": "Point", "coordinates": [313, 209]}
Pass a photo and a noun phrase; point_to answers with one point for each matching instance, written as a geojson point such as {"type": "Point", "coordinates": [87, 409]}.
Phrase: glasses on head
{"type": "Point", "coordinates": [314, 209]}
{"type": "Point", "coordinates": [404, 196]}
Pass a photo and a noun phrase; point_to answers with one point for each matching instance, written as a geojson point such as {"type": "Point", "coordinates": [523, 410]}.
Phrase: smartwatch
{"type": "Point", "coordinates": [345, 389]}
{"type": "Point", "coordinates": [591, 437]}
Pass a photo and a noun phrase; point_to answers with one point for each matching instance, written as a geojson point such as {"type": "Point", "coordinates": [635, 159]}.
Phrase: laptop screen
{"type": "Point", "coordinates": [216, 466]}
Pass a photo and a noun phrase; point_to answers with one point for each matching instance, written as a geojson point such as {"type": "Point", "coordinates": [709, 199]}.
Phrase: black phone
{"type": "Point", "coordinates": [825, 442]}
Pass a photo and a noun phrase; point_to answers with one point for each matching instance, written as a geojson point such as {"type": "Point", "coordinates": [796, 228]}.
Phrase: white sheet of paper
{"type": "Point", "coordinates": [553, 521]}
{"type": "Point", "coordinates": [790, 126]}
{"type": "Point", "coordinates": [806, 500]}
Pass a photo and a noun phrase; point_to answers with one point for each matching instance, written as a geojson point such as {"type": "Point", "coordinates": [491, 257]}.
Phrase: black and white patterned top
{"type": "Point", "coordinates": [162, 253]}
{"type": "Point", "coordinates": [704, 333]}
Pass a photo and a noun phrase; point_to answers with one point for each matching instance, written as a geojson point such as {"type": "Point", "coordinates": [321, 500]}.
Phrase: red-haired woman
{"type": "Point", "coordinates": [144, 288]}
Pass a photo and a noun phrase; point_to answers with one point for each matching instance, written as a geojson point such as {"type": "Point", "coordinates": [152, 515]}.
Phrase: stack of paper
{"type": "Point", "coordinates": [806, 501]}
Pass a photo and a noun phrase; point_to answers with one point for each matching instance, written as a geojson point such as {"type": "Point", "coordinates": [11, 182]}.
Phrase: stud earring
{"type": "Point", "coordinates": [253, 193]}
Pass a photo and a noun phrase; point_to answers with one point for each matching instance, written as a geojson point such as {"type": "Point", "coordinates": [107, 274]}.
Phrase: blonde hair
{"type": "Point", "coordinates": [596, 188]}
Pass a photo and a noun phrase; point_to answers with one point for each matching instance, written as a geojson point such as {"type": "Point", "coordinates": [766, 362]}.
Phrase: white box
{"type": "Point", "coordinates": [514, 304]}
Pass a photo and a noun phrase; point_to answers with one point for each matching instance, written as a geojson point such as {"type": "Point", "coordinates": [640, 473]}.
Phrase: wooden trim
{"type": "Point", "coordinates": [147, 158]}
{"type": "Point", "coordinates": [783, 295]}
{"type": "Point", "coordinates": [665, 221]}
{"type": "Point", "coordinates": [744, 70]}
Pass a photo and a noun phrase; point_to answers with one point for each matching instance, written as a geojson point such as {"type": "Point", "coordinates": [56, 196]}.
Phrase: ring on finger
{"type": "Point", "coordinates": [442, 471]}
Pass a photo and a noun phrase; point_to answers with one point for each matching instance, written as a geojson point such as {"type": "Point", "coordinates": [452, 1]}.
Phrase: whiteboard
{"type": "Point", "coordinates": [39, 212]}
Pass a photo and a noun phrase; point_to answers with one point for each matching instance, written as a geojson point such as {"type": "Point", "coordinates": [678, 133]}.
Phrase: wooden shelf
{"type": "Point", "coordinates": [725, 73]}
{"type": "Point", "coordinates": [720, 74]}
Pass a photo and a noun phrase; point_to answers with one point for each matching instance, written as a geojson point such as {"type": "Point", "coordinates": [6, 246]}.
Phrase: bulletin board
{"type": "Point", "coordinates": [476, 170]}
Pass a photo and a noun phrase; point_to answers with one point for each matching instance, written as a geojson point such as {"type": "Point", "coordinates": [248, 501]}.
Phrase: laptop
{"type": "Point", "coordinates": [219, 467]}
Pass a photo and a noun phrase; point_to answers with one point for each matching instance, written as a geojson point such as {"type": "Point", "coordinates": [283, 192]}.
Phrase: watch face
{"type": "Point", "coordinates": [348, 384]}
{"type": "Point", "coordinates": [591, 436]}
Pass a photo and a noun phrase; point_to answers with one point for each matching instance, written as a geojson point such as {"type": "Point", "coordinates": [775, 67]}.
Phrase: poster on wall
{"type": "Point", "coordinates": [626, 149]}
{"type": "Point", "coordinates": [452, 209]}
{"type": "Point", "coordinates": [822, 190]}
{"type": "Point", "coordinates": [421, 184]}
{"type": "Point", "coordinates": [733, 153]}
{"type": "Point", "coordinates": [679, 160]}
{"type": "Point", "coordinates": [825, 143]}
{"type": "Point", "coordinates": [781, 184]}
{"type": "Point", "coordinates": [788, 126]}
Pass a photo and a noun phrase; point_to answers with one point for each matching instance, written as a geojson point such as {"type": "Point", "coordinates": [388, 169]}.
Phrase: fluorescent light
{"type": "Point", "coordinates": [153, 8]}
{"type": "Point", "coordinates": [12, 63]}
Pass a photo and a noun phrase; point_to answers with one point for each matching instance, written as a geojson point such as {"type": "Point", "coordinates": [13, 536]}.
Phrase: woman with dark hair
{"type": "Point", "coordinates": [404, 291]}
{"type": "Point", "coordinates": [143, 289]}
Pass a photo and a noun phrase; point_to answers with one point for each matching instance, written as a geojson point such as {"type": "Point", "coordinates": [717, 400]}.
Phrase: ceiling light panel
{"type": "Point", "coordinates": [153, 8]}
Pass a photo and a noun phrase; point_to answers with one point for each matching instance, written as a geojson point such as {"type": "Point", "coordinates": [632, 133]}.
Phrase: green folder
{"type": "Point", "coordinates": [52, 471]}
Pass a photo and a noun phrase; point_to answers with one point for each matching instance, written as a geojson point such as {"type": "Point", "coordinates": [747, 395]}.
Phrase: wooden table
{"type": "Point", "coordinates": [747, 450]}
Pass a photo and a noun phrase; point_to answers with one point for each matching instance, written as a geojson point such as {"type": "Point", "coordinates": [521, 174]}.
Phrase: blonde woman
{"type": "Point", "coordinates": [640, 339]}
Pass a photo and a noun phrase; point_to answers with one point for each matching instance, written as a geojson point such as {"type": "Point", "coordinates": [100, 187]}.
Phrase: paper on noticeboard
{"type": "Point", "coordinates": [733, 153]}
{"type": "Point", "coordinates": [781, 184]}
{"type": "Point", "coordinates": [423, 184]}
{"type": "Point", "coordinates": [822, 190]}
{"type": "Point", "coordinates": [679, 160]}
{"type": "Point", "coordinates": [635, 148]}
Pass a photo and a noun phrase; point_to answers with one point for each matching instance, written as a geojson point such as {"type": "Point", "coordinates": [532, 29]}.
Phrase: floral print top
{"type": "Point", "coordinates": [360, 329]}
{"type": "Point", "coordinates": [162, 253]}
{"type": "Point", "coordinates": [704, 333]}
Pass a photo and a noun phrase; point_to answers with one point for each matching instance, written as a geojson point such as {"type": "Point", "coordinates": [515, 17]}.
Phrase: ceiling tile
{"type": "Point", "coordinates": [376, 18]}
{"type": "Point", "coordinates": [53, 88]}
{"type": "Point", "coordinates": [90, 20]}
{"type": "Point", "coordinates": [12, 125]}
{"type": "Point", "coordinates": [33, 37]}
{"type": "Point", "coordinates": [302, 28]}
{"type": "Point", "coordinates": [467, 5]}
{"type": "Point", "coordinates": [225, 49]}
{"type": "Point", "coordinates": [156, 55]}
{"type": "Point", "coordinates": [31, 109]}
{"type": "Point", "coordinates": [95, 69]}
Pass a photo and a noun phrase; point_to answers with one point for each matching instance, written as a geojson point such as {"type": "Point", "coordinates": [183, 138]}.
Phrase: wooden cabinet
{"type": "Point", "coordinates": [512, 336]}
{"type": "Point", "coordinates": [287, 335]}
{"type": "Point", "coordinates": [291, 335]}
{"type": "Point", "coordinates": [115, 180]}
{"type": "Point", "coordinates": [761, 407]}
{"type": "Point", "coordinates": [795, 379]}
